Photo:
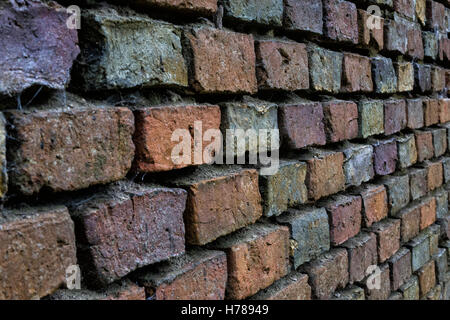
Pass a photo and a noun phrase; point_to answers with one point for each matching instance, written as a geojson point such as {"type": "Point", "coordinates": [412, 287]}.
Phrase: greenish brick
{"type": "Point", "coordinates": [310, 234]}
{"type": "Point", "coordinates": [439, 141]}
{"type": "Point", "coordinates": [407, 152]}
{"type": "Point", "coordinates": [433, 233]}
{"type": "Point", "coordinates": [418, 183]}
{"type": "Point", "coordinates": [325, 69]}
{"type": "Point", "coordinates": [267, 12]}
{"type": "Point", "coordinates": [410, 289]}
{"type": "Point", "coordinates": [383, 74]}
{"type": "Point", "coordinates": [398, 192]}
{"type": "Point", "coordinates": [370, 118]}
{"type": "Point", "coordinates": [396, 296]}
{"type": "Point", "coordinates": [358, 163]}
{"type": "Point", "coordinates": [350, 293]}
{"type": "Point", "coordinates": [441, 203]}
{"type": "Point", "coordinates": [446, 162]}
{"type": "Point", "coordinates": [441, 264]}
{"type": "Point", "coordinates": [430, 44]}
{"type": "Point", "coordinates": [420, 251]}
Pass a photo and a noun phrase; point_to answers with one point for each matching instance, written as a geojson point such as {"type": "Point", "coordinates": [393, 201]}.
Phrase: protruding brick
{"type": "Point", "coordinates": [430, 111]}
{"type": "Point", "coordinates": [407, 151]}
{"type": "Point", "coordinates": [415, 43]}
{"type": "Point", "coordinates": [328, 273]}
{"type": "Point", "coordinates": [394, 116]}
{"type": "Point", "coordinates": [370, 36]}
{"type": "Point", "coordinates": [371, 118]}
{"type": "Point", "coordinates": [144, 222]}
{"type": "Point", "coordinates": [439, 141]}
{"type": "Point", "coordinates": [303, 15]}
{"type": "Point", "coordinates": [420, 251]}
{"type": "Point", "coordinates": [406, 8]}
{"type": "Point", "coordinates": [257, 256]}
{"type": "Point", "coordinates": [197, 275]}
{"type": "Point", "coordinates": [384, 76]}
{"type": "Point", "coordinates": [204, 7]}
{"type": "Point", "coordinates": [292, 287]}
{"type": "Point", "coordinates": [441, 203]}
{"type": "Point", "coordinates": [434, 294]}
{"type": "Point", "coordinates": [338, 26]}
{"type": "Point", "coordinates": [433, 233]}
{"type": "Point", "coordinates": [410, 222]}
{"type": "Point", "coordinates": [444, 110]}
{"type": "Point", "coordinates": [400, 267]}
{"type": "Point", "coordinates": [378, 284]}
{"type": "Point", "coordinates": [427, 278]}
{"type": "Point", "coordinates": [424, 143]}
{"type": "Point", "coordinates": [325, 69]}
{"type": "Point", "coordinates": [405, 75]}
{"type": "Point", "coordinates": [205, 217]}
{"type": "Point", "coordinates": [418, 183]}
{"type": "Point", "coordinates": [362, 253]}
{"type": "Point", "coordinates": [410, 290]}
{"type": "Point", "coordinates": [446, 164]}
{"type": "Point", "coordinates": [420, 9]}
{"type": "Point", "coordinates": [375, 204]}
{"type": "Point", "coordinates": [414, 111]}
{"type": "Point", "coordinates": [351, 293]}
{"type": "Point", "coordinates": [358, 163]}
{"type": "Point", "coordinates": [396, 34]}
{"type": "Point", "coordinates": [437, 78]}
{"type": "Point", "coordinates": [385, 156]}
{"type": "Point", "coordinates": [310, 233]}
{"type": "Point", "coordinates": [341, 120]}
{"type": "Point", "coordinates": [356, 74]}
{"type": "Point", "coordinates": [266, 12]}
{"type": "Point", "coordinates": [68, 150]}
{"type": "Point", "coordinates": [221, 61]}
{"type": "Point", "coordinates": [435, 175]}
{"type": "Point", "coordinates": [38, 245]}
{"type": "Point", "coordinates": [398, 192]}
{"type": "Point", "coordinates": [388, 237]}
{"type": "Point", "coordinates": [441, 263]}
{"type": "Point", "coordinates": [430, 43]}
{"type": "Point", "coordinates": [427, 212]}
{"type": "Point", "coordinates": [435, 14]}
{"type": "Point", "coordinates": [3, 165]}
{"type": "Point", "coordinates": [422, 77]}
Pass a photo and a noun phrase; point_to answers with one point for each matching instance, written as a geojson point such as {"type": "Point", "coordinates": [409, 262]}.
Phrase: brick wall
{"type": "Point", "coordinates": [358, 208]}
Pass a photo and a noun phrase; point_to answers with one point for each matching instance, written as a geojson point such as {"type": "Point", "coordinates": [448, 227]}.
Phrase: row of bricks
{"type": "Point", "coordinates": [99, 144]}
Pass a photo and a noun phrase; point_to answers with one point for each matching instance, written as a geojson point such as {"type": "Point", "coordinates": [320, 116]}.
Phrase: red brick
{"type": "Point", "coordinates": [388, 237]}
{"type": "Point", "coordinates": [296, 134]}
{"type": "Point", "coordinates": [394, 116]}
{"type": "Point", "coordinates": [356, 73]}
{"type": "Point", "coordinates": [400, 268]}
{"type": "Point", "coordinates": [435, 14]}
{"type": "Point", "coordinates": [257, 256]}
{"type": "Point", "coordinates": [362, 253]}
{"type": "Point", "coordinates": [424, 144]}
{"type": "Point", "coordinates": [282, 65]}
{"type": "Point", "coordinates": [325, 174]}
{"type": "Point", "coordinates": [144, 223]}
{"type": "Point", "coordinates": [340, 26]}
{"type": "Point", "coordinates": [154, 129]}
{"type": "Point", "coordinates": [414, 113]}
{"type": "Point", "coordinates": [381, 278]}
{"type": "Point", "coordinates": [444, 48]}
{"type": "Point", "coordinates": [385, 156]}
{"type": "Point", "coordinates": [427, 278]}
{"type": "Point", "coordinates": [375, 204]}
{"type": "Point", "coordinates": [435, 175]}
{"type": "Point", "coordinates": [341, 120]}
{"type": "Point", "coordinates": [221, 61]}
{"type": "Point", "coordinates": [370, 37]}
{"type": "Point", "coordinates": [303, 15]}
{"type": "Point", "coordinates": [197, 275]}
{"type": "Point", "coordinates": [292, 287]}
{"type": "Point", "coordinates": [38, 245]}
{"type": "Point", "coordinates": [431, 111]}
{"type": "Point", "coordinates": [415, 43]}
{"type": "Point", "coordinates": [405, 7]}
{"type": "Point", "coordinates": [345, 218]}
{"type": "Point", "coordinates": [328, 273]}
{"type": "Point", "coordinates": [205, 7]}
{"type": "Point", "coordinates": [69, 150]}
{"type": "Point", "coordinates": [410, 225]}
{"type": "Point", "coordinates": [205, 217]}
{"type": "Point", "coordinates": [427, 212]}
{"type": "Point", "coordinates": [444, 110]}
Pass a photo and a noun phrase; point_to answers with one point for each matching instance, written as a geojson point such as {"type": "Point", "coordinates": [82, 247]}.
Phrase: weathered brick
{"type": "Point", "coordinates": [204, 7]}
{"type": "Point", "coordinates": [221, 61]}
{"type": "Point", "coordinates": [381, 289]}
{"type": "Point", "coordinates": [303, 15]}
{"type": "Point", "coordinates": [444, 110]}
{"type": "Point", "coordinates": [394, 116]}
{"type": "Point", "coordinates": [310, 131]}
{"type": "Point", "coordinates": [385, 156]}
{"type": "Point", "coordinates": [420, 9]}
{"type": "Point", "coordinates": [388, 237]}
{"type": "Point", "coordinates": [446, 164]}
{"type": "Point", "coordinates": [292, 287]}
{"type": "Point", "coordinates": [154, 134]}
{"type": "Point", "coordinates": [350, 293]}
{"type": "Point", "coordinates": [439, 141]}
{"type": "Point", "coordinates": [435, 293]}
{"type": "Point", "coordinates": [205, 218]}
{"type": "Point", "coordinates": [267, 12]}
{"type": "Point", "coordinates": [396, 34]}
{"type": "Point", "coordinates": [396, 296]}
{"type": "Point", "coordinates": [418, 183]}
{"type": "Point", "coordinates": [430, 43]}
{"type": "Point", "coordinates": [375, 204]}
{"type": "Point", "coordinates": [310, 233]}
{"type": "Point", "coordinates": [424, 143]}
{"type": "Point", "coordinates": [3, 164]}
{"type": "Point", "coordinates": [328, 273]}
{"type": "Point", "coordinates": [356, 73]}
{"type": "Point", "coordinates": [338, 26]}
{"type": "Point", "coordinates": [370, 36]}
{"type": "Point", "coordinates": [325, 69]}
{"type": "Point", "coordinates": [38, 245]}
{"type": "Point", "coordinates": [441, 203]}
{"type": "Point", "coordinates": [282, 65]}
{"type": "Point", "coordinates": [28, 58]}
{"type": "Point", "coordinates": [410, 289]}
{"type": "Point", "coordinates": [441, 263]}
{"type": "Point", "coordinates": [358, 163]}
{"type": "Point", "coordinates": [427, 278]}
{"type": "Point", "coordinates": [414, 113]}
{"type": "Point", "coordinates": [341, 120]}
{"type": "Point", "coordinates": [144, 222]}
{"type": "Point", "coordinates": [400, 268]}
{"type": "Point", "coordinates": [155, 59]}
{"type": "Point", "coordinates": [437, 78]}
{"type": "Point", "coordinates": [257, 256]}
{"type": "Point", "coordinates": [68, 150]}
{"type": "Point", "coordinates": [444, 48]}
{"type": "Point", "coordinates": [435, 174]}
{"type": "Point", "coordinates": [422, 77]}
{"type": "Point", "coordinates": [407, 151]}
{"type": "Point", "coordinates": [435, 15]}
{"type": "Point", "coordinates": [405, 76]}
{"type": "Point", "coordinates": [197, 275]}
{"type": "Point", "coordinates": [325, 173]}
{"type": "Point", "coordinates": [398, 192]}
{"type": "Point", "coordinates": [285, 189]}
{"type": "Point", "coordinates": [406, 8]}
{"type": "Point", "coordinates": [410, 222]}
{"type": "Point", "coordinates": [362, 253]}
{"type": "Point", "coordinates": [371, 118]}
{"type": "Point", "coordinates": [420, 251]}
{"type": "Point", "coordinates": [445, 227]}
{"type": "Point", "coordinates": [415, 43]}
{"type": "Point", "coordinates": [383, 74]}
{"type": "Point", "coordinates": [345, 217]}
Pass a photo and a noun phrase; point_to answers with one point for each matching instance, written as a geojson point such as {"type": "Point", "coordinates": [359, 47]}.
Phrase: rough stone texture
{"type": "Point", "coordinates": [420, 251]}
{"type": "Point", "coordinates": [345, 217]}
{"type": "Point", "coordinates": [410, 289]}
{"type": "Point", "coordinates": [267, 12]}
{"type": "Point", "coordinates": [325, 69]}
{"type": "Point", "coordinates": [257, 256]}
{"type": "Point", "coordinates": [341, 120]}
{"type": "Point", "coordinates": [41, 57]}
{"type": "Point", "coordinates": [407, 151]}
{"type": "Point", "coordinates": [388, 237]}
{"type": "Point", "coordinates": [154, 132]}
{"type": "Point", "coordinates": [205, 217]}
{"type": "Point", "coordinates": [394, 116]}
{"type": "Point", "coordinates": [435, 14]}
{"type": "Point", "coordinates": [441, 203]}
{"type": "Point", "coordinates": [352, 293]}
{"type": "Point", "coordinates": [427, 212]}
{"type": "Point", "coordinates": [430, 43]}
{"type": "Point", "coordinates": [358, 164]}
{"type": "Point", "coordinates": [414, 113]}
{"type": "Point", "coordinates": [310, 233]}
{"type": "Point", "coordinates": [371, 118]}
{"type": "Point", "coordinates": [384, 77]}
{"type": "Point", "coordinates": [375, 204]}
{"type": "Point", "coordinates": [435, 293]}
{"type": "Point", "coordinates": [424, 143]}
{"type": "Point", "coordinates": [437, 78]}
{"type": "Point", "coordinates": [340, 20]}
{"type": "Point", "coordinates": [197, 275]}
{"type": "Point", "coordinates": [382, 277]}
{"type": "Point", "coordinates": [385, 156]}
{"type": "Point", "coordinates": [400, 268]}
{"type": "Point", "coordinates": [221, 61]}
{"type": "Point", "coordinates": [410, 222]}
{"type": "Point", "coordinates": [154, 59]}
{"type": "Point", "coordinates": [69, 149]}
{"type": "Point", "coordinates": [405, 76]}
{"type": "Point", "coordinates": [433, 233]}
{"type": "Point", "coordinates": [206, 7]}
{"type": "Point", "coordinates": [144, 222]}
{"type": "Point", "coordinates": [292, 287]}
{"type": "Point", "coordinates": [328, 273]}
{"type": "Point", "coordinates": [427, 278]}
{"type": "Point", "coordinates": [285, 189]}
{"type": "Point", "coordinates": [325, 173]}
{"type": "Point", "coordinates": [3, 165]}
{"type": "Point", "coordinates": [282, 65]}
{"type": "Point", "coordinates": [422, 77]}
{"type": "Point", "coordinates": [395, 30]}
{"type": "Point", "coordinates": [310, 131]}
{"type": "Point", "coordinates": [370, 36]}
{"type": "Point", "coordinates": [418, 183]}
{"type": "Point", "coordinates": [38, 245]}
{"type": "Point", "coordinates": [435, 174]}
{"type": "Point", "coordinates": [398, 192]}
{"type": "Point", "coordinates": [446, 164]}
{"type": "Point", "coordinates": [415, 43]}
{"type": "Point", "coordinates": [439, 141]}
{"type": "Point", "coordinates": [441, 263]}
{"type": "Point", "coordinates": [303, 15]}
{"type": "Point", "coordinates": [362, 253]}
{"type": "Point", "coordinates": [444, 110]}
{"type": "Point", "coordinates": [356, 73]}
{"type": "Point", "coordinates": [405, 7]}
{"type": "Point", "coordinates": [430, 111]}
